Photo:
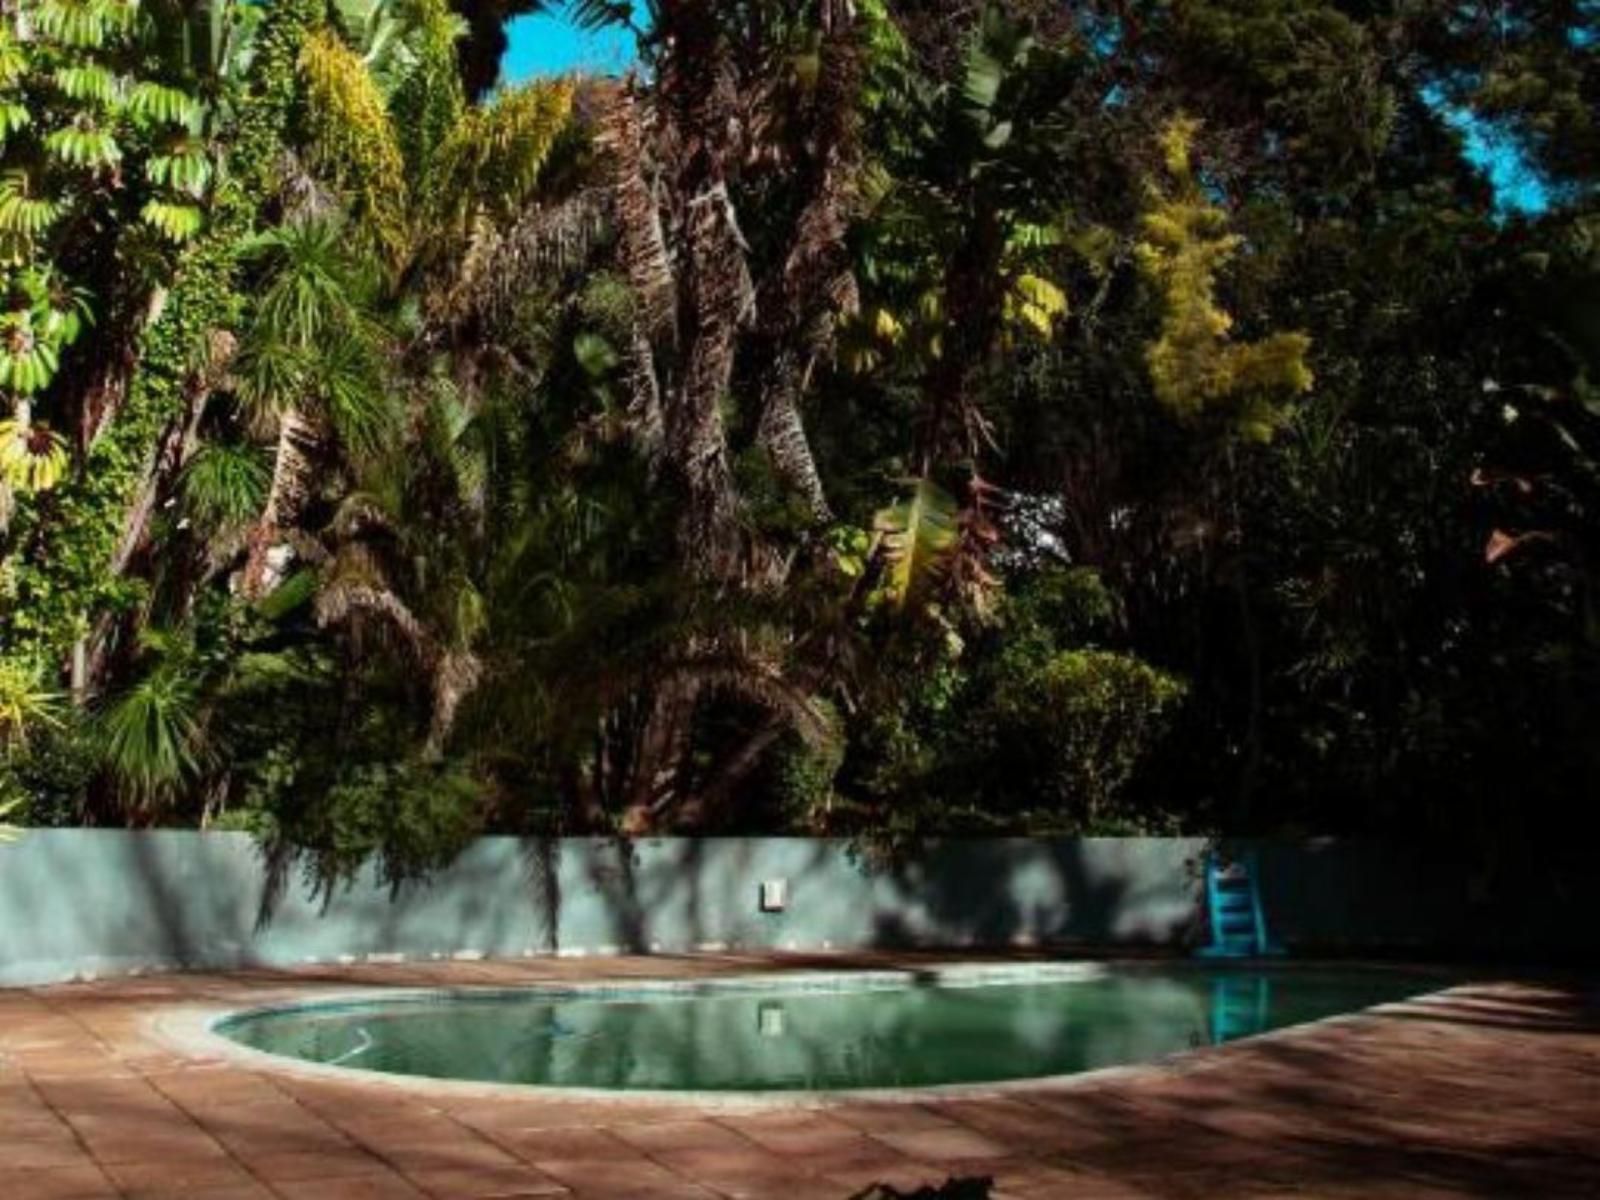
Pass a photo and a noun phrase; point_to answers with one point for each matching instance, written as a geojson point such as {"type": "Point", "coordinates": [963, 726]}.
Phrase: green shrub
{"type": "Point", "coordinates": [1084, 720]}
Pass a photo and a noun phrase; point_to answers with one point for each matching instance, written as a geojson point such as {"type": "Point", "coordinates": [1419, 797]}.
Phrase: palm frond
{"type": "Point", "coordinates": [544, 240]}
{"type": "Point", "coordinates": [151, 740]}
{"type": "Point", "coordinates": [225, 483]}
{"type": "Point", "coordinates": [25, 703]}
{"type": "Point", "coordinates": [317, 290]}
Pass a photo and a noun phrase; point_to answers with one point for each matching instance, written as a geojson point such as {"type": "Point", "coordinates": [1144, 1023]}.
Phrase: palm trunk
{"type": "Point", "coordinates": [169, 456]}
{"type": "Point", "coordinates": [288, 468]}
{"type": "Point", "coordinates": [456, 676]}
{"type": "Point", "coordinates": [656, 787]}
{"type": "Point", "coordinates": [783, 436]}
{"type": "Point", "coordinates": [734, 773]}
{"type": "Point", "coordinates": [718, 293]}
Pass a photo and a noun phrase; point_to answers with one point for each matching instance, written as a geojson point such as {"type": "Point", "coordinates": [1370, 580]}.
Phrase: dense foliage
{"type": "Point", "coordinates": [881, 418]}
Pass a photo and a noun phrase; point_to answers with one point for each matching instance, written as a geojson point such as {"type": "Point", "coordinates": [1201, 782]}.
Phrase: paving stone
{"type": "Point", "coordinates": [892, 1118]}
{"type": "Point", "coordinates": [381, 1186]}
{"type": "Point", "coordinates": [567, 1144]}
{"type": "Point", "coordinates": [457, 1153]}
{"type": "Point", "coordinates": [479, 1183]}
{"type": "Point", "coordinates": [584, 1175]}
{"type": "Point", "coordinates": [170, 1178]}
{"type": "Point", "coordinates": [42, 1154]}
{"type": "Point", "coordinates": [939, 1145]}
{"type": "Point", "coordinates": [290, 1168]}
{"type": "Point", "coordinates": [58, 1183]}
{"type": "Point", "coordinates": [681, 1135]}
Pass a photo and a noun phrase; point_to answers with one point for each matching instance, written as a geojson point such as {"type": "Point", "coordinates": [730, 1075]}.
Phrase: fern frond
{"type": "Point", "coordinates": [23, 213]}
{"type": "Point", "coordinates": [14, 116]}
{"type": "Point", "coordinates": [182, 170]}
{"type": "Point", "coordinates": [159, 103]}
{"type": "Point", "coordinates": [84, 146]}
{"type": "Point", "coordinates": [1037, 304]}
{"type": "Point", "coordinates": [84, 24]}
{"type": "Point", "coordinates": [175, 222]}
{"type": "Point", "coordinates": [429, 100]}
{"type": "Point", "coordinates": [1195, 367]}
{"type": "Point", "coordinates": [88, 82]}
{"type": "Point", "coordinates": [27, 362]}
{"type": "Point", "coordinates": [13, 60]}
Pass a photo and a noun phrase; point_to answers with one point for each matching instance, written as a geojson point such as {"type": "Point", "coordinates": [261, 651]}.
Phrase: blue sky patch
{"type": "Point", "coordinates": [553, 45]}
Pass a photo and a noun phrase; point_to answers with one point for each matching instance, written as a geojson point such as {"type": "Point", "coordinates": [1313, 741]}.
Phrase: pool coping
{"type": "Point", "coordinates": [194, 1030]}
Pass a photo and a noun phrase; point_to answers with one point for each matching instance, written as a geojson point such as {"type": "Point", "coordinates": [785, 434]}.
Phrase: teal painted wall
{"type": "Point", "coordinates": [77, 903]}
{"type": "Point", "coordinates": [82, 903]}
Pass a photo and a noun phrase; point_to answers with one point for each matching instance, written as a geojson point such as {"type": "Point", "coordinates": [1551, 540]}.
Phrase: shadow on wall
{"type": "Point", "coordinates": [615, 895]}
{"type": "Point", "coordinates": [1008, 892]}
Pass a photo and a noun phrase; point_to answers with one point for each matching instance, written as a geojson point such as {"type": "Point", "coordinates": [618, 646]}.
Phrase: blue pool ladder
{"type": "Point", "coordinates": [1238, 921]}
{"type": "Point", "coordinates": [1241, 1005]}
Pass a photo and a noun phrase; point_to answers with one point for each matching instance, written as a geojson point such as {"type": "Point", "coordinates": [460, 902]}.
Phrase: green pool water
{"type": "Point", "coordinates": [830, 1034]}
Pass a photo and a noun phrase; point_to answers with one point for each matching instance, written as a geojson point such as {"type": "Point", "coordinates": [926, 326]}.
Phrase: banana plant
{"type": "Point", "coordinates": [919, 535]}
{"type": "Point", "coordinates": [78, 123]}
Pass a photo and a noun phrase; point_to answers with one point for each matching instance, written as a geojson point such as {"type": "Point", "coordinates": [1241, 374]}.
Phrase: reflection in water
{"type": "Point", "coordinates": [814, 1040]}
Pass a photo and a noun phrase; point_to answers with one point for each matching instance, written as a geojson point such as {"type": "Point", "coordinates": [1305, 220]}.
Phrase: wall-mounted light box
{"type": "Point", "coordinates": [774, 895]}
{"type": "Point", "coordinates": [769, 1019]}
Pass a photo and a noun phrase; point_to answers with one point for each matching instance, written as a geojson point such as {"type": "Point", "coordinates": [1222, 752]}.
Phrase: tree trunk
{"type": "Point", "coordinates": [456, 676]}
{"type": "Point", "coordinates": [288, 469]}
{"type": "Point", "coordinates": [105, 398]}
{"type": "Point", "coordinates": [167, 459]}
{"type": "Point", "coordinates": [783, 436]}
{"type": "Point", "coordinates": [656, 787]}
{"type": "Point", "coordinates": [718, 290]}
{"type": "Point", "coordinates": [734, 772]}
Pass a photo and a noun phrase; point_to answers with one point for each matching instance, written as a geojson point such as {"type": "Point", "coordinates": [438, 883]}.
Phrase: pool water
{"type": "Point", "coordinates": [819, 1034]}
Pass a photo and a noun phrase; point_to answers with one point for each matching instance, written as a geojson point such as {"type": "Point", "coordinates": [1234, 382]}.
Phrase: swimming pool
{"type": "Point", "coordinates": [823, 1033]}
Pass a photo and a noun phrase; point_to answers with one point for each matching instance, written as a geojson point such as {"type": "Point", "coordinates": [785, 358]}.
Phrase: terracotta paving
{"type": "Point", "coordinates": [1492, 1089]}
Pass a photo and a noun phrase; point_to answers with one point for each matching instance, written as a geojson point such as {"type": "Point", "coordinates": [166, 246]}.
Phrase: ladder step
{"type": "Point", "coordinates": [1234, 904]}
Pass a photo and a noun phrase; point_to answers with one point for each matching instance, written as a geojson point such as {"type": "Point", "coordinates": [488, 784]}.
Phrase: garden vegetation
{"type": "Point", "coordinates": [890, 417]}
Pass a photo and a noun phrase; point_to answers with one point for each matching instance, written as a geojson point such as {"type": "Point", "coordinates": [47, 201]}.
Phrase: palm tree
{"type": "Point", "coordinates": [311, 364]}
{"type": "Point", "coordinates": [355, 310]}
{"type": "Point", "coordinates": [747, 105]}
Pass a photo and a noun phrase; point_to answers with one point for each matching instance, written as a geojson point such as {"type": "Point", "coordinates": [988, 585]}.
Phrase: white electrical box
{"type": "Point", "coordinates": [774, 895]}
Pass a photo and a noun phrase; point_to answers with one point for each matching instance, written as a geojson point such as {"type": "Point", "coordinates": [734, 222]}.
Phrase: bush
{"type": "Point", "coordinates": [1084, 720]}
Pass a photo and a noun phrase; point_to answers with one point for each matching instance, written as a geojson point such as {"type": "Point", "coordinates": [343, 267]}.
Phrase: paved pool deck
{"type": "Point", "coordinates": [1489, 1089]}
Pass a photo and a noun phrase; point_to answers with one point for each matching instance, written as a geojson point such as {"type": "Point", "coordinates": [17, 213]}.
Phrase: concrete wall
{"type": "Point", "coordinates": [80, 903]}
